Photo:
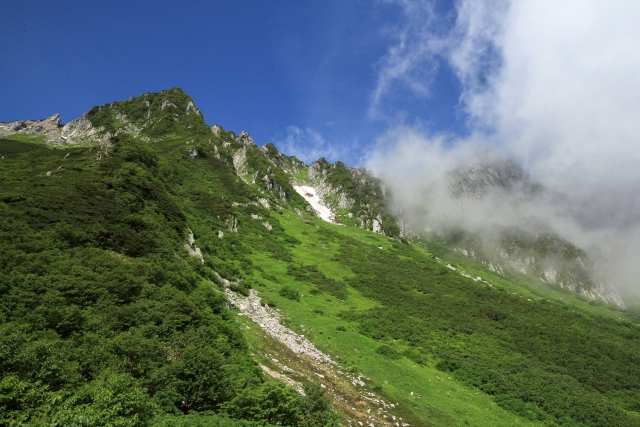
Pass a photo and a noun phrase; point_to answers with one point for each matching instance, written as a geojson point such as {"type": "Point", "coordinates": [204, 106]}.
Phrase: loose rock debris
{"type": "Point", "coordinates": [358, 405]}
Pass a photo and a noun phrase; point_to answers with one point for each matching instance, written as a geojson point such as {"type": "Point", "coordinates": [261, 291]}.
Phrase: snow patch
{"type": "Point", "coordinates": [316, 202]}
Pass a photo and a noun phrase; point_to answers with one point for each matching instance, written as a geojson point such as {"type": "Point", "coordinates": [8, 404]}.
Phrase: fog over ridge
{"type": "Point", "coordinates": [555, 86]}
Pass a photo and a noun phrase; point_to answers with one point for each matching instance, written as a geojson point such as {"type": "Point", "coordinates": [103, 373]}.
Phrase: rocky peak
{"type": "Point", "coordinates": [486, 174]}
{"type": "Point", "coordinates": [170, 112]}
{"type": "Point", "coordinates": [319, 169]}
{"type": "Point", "coordinates": [289, 164]}
{"type": "Point", "coordinates": [357, 190]}
{"type": "Point", "coordinates": [245, 139]}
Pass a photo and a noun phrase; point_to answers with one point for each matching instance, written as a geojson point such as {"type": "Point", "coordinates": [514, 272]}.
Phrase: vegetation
{"type": "Point", "coordinates": [159, 115]}
{"type": "Point", "coordinates": [106, 318]}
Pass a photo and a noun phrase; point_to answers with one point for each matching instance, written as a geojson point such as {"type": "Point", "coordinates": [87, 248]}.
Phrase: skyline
{"type": "Point", "coordinates": [301, 76]}
{"type": "Point", "coordinates": [552, 85]}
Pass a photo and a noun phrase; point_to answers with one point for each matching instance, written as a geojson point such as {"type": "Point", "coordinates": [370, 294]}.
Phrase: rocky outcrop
{"type": "Point", "coordinates": [546, 257]}
{"type": "Point", "coordinates": [245, 139]}
{"type": "Point", "coordinates": [268, 320]}
{"type": "Point", "coordinates": [49, 128]}
{"type": "Point", "coordinates": [81, 131]}
{"type": "Point", "coordinates": [486, 175]}
{"type": "Point", "coordinates": [291, 165]}
{"type": "Point", "coordinates": [240, 160]}
{"type": "Point", "coordinates": [194, 251]}
{"type": "Point", "coordinates": [171, 110]}
{"type": "Point", "coordinates": [355, 189]}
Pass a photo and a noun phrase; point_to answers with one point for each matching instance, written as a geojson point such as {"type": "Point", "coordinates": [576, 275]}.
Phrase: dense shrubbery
{"type": "Point", "coordinates": [311, 274]}
{"type": "Point", "coordinates": [104, 318]}
{"type": "Point", "coordinates": [538, 359]}
{"type": "Point", "coordinates": [290, 293]}
{"type": "Point", "coordinates": [163, 114]}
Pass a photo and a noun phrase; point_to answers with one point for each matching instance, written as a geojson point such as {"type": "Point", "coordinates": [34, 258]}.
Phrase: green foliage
{"type": "Point", "coordinates": [311, 274]}
{"type": "Point", "coordinates": [158, 115]}
{"type": "Point", "coordinates": [388, 351]}
{"type": "Point", "coordinates": [104, 318]}
{"type": "Point", "coordinates": [241, 288]}
{"type": "Point", "coordinates": [315, 408]}
{"type": "Point", "coordinates": [289, 292]}
{"type": "Point", "coordinates": [203, 419]}
{"type": "Point", "coordinates": [272, 402]}
{"type": "Point", "coordinates": [537, 359]}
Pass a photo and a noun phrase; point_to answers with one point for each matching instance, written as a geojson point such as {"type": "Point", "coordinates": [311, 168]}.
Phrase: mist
{"type": "Point", "coordinates": [554, 86]}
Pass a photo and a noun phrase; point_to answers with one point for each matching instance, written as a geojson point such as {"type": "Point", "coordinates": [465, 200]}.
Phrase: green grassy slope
{"type": "Point", "coordinates": [106, 318]}
{"type": "Point", "coordinates": [412, 324]}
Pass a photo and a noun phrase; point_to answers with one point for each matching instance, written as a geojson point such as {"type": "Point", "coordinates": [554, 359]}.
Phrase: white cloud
{"type": "Point", "coordinates": [553, 84]}
{"type": "Point", "coordinates": [410, 63]}
{"type": "Point", "coordinates": [566, 99]}
{"type": "Point", "coordinates": [307, 145]}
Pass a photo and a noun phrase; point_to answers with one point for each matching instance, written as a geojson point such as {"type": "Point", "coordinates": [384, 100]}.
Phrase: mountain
{"type": "Point", "coordinates": [488, 174]}
{"type": "Point", "coordinates": [160, 271]}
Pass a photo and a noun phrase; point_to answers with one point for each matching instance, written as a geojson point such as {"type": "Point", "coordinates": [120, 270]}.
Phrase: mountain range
{"type": "Point", "coordinates": [161, 271]}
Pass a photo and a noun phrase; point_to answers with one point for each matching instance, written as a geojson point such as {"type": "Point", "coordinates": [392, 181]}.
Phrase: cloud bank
{"type": "Point", "coordinates": [554, 86]}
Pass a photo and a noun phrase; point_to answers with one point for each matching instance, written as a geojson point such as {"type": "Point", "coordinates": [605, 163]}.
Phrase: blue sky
{"type": "Point", "coordinates": [301, 74]}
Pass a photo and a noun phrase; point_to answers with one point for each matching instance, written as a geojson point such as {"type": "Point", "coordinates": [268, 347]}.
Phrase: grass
{"type": "Point", "coordinates": [442, 401]}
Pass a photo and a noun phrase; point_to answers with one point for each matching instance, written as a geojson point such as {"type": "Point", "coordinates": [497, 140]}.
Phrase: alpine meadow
{"type": "Point", "coordinates": [156, 270]}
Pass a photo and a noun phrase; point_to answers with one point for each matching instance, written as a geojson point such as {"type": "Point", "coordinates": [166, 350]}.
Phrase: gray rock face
{"type": "Point", "coordinates": [194, 251]}
{"type": "Point", "coordinates": [546, 257]}
{"type": "Point", "coordinates": [343, 187]}
{"type": "Point", "coordinates": [245, 139]}
{"type": "Point", "coordinates": [269, 321]}
{"type": "Point", "coordinates": [477, 179]}
{"type": "Point", "coordinates": [49, 128]}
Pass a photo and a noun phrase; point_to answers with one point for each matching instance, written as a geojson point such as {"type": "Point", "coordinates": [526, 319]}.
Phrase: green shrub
{"type": "Point", "coordinates": [289, 292]}
{"type": "Point", "coordinates": [389, 352]}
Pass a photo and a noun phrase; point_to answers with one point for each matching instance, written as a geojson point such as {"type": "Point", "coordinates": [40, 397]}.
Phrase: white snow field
{"type": "Point", "coordinates": [310, 195]}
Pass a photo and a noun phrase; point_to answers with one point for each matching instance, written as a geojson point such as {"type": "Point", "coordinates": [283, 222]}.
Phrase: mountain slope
{"type": "Point", "coordinates": [134, 267]}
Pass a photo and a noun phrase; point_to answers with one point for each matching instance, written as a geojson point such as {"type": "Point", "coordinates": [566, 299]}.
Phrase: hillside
{"type": "Point", "coordinates": [159, 271]}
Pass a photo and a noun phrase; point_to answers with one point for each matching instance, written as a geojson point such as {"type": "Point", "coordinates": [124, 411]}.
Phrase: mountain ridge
{"type": "Point", "coordinates": [181, 279]}
{"type": "Point", "coordinates": [354, 195]}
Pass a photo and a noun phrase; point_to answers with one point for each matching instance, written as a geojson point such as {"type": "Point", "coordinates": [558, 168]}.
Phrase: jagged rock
{"type": "Point", "coordinates": [194, 251]}
{"type": "Point", "coordinates": [264, 203]}
{"type": "Point", "coordinates": [49, 128]}
{"type": "Point", "coordinates": [240, 159]}
{"type": "Point", "coordinates": [342, 187]}
{"type": "Point", "coordinates": [215, 129]}
{"type": "Point", "coordinates": [377, 224]}
{"type": "Point", "coordinates": [232, 224]}
{"type": "Point", "coordinates": [487, 174]}
{"type": "Point", "coordinates": [245, 139]}
{"type": "Point", "coordinates": [191, 108]}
